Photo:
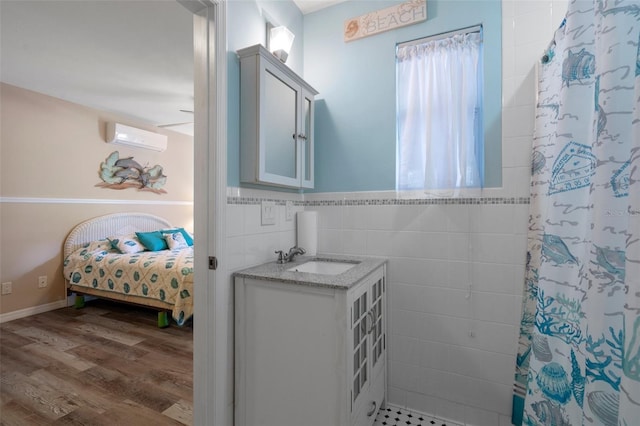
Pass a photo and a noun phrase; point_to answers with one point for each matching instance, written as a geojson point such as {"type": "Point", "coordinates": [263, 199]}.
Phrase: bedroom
{"type": "Point", "coordinates": [56, 145]}
{"type": "Point", "coordinates": [499, 230]}
{"type": "Point", "coordinates": [53, 143]}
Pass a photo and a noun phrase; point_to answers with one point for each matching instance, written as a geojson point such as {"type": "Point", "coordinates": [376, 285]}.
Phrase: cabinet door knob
{"type": "Point", "coordinates": [373, 409]}
{"type": "Point", "coordinates": [370, 322]}
{"type": "Point", "coordinates": [302, 136]}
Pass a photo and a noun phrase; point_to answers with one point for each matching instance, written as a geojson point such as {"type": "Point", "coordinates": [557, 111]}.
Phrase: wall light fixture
{"type": "Point", "coordinates": [280, 42]}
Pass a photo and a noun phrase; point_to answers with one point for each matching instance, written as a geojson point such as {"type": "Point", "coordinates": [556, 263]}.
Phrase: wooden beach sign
{"type": "Point", "coordinates": [393, 17]}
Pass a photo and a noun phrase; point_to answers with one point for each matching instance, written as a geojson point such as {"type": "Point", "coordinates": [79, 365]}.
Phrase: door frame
{"type": "Point", "coordinates": [213, 330]}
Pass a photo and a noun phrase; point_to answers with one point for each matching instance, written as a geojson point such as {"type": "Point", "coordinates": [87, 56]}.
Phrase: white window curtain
{"type": "Point", "coordinates": [439, 114]}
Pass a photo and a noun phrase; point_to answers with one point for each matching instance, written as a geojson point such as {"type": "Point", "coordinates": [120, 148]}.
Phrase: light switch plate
{"type": "Point", "coordinates": [268, 213]}
{"type": "Point", "coordinates": [6, 288]}
{"type": "Point", "coordinates": [288, 211]}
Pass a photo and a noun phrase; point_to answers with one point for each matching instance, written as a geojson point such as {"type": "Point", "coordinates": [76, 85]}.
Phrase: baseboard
{"type": "Point", "coordinates": [26, 312]}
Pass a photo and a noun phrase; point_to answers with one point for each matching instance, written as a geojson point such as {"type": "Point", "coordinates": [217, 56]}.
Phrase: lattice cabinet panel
{"type": "Point", "coordinates": [368, 330]}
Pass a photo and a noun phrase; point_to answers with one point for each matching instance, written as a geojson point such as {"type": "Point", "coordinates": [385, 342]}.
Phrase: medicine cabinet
{"type": "Point", "coordinates": [276, 122]}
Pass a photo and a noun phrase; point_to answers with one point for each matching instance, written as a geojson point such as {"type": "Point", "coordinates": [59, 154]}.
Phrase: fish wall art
{"type": "Point", "coordinates": [123, 173]}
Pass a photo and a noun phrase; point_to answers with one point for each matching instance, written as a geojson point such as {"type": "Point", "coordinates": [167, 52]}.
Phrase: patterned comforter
{"type": "Point", "coordinates": [165, 275]}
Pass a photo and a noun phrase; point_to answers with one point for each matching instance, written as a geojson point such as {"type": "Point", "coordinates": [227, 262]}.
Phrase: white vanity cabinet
{"type": "Point", "coordinates": [276, 122]}
{"type": "Point", "coordinates": [309, 354]}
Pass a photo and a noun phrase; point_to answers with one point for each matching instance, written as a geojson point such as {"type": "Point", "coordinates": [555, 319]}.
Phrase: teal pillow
{"type": "Point", "coordinates": [184, 233]}
{"type": "Point", "coordinates": [153, 241]}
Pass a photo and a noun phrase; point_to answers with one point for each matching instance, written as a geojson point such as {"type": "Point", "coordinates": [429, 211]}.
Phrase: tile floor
{"type": "Point", "coordinates": [396, 416]}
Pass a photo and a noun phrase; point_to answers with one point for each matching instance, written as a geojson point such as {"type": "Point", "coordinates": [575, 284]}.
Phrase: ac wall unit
{"type": "Point", "coordinates": [119, 134]}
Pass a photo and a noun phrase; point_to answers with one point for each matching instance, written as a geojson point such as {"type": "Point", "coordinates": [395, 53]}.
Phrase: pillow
{"type": "Point", "coordinates": [128, 244]}
{"type": "Point", "coordinates": [184, 233]}
{"type": "Point", "coordinates": [94, 247]}
{"type": "Point", "coordinates": [153, 241]}
{"type": "Point", "coordinates": [175, 241]}
{"type": "Point", "coordinates": [98, 245]}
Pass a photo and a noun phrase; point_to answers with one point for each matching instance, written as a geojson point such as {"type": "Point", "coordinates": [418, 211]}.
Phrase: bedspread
{"type": "Point", "coordinates": [165, 275]}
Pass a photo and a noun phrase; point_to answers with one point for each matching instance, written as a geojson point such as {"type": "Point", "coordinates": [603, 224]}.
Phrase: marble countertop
{"type": "Point", "coordinates": [274, 271]}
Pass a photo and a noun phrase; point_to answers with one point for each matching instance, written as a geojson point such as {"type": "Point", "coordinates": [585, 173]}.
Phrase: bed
{"type": "Point", "coordinates": [160, 278]}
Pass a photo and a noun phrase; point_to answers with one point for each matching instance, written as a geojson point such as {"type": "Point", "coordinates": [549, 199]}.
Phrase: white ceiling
{"type": "Point", "coordinates": [308, 6]}
{"type": "Point", "coordinates": [134, 58]}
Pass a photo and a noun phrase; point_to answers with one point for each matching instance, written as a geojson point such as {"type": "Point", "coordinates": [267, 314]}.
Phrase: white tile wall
{"type": "Point", "coordinates": [250, 243]}
{"type": "Point", "coordinates": [455, 272]}
{"type": "Point", "coordinates": [455, 279]}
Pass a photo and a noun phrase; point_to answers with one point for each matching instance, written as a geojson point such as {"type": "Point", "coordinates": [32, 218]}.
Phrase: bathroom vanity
{"type": "Point", "coordinates": [310, 342]}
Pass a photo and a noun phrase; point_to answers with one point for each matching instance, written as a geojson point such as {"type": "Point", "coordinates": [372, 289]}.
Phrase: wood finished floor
{"type": "Point", "coordinates": [106, 364]}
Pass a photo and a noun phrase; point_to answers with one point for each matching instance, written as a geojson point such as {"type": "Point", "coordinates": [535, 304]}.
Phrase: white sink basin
{"type": "Point", "coordinates": [322, 267]}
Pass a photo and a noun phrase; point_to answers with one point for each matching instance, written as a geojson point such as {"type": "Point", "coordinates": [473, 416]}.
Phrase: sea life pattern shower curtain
{"type": "Point", "coordinates": [578, 360]}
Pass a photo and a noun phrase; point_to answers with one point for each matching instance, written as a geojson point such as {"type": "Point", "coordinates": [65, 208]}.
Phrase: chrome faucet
{"type": "Point", "coordinates": [293, 251]}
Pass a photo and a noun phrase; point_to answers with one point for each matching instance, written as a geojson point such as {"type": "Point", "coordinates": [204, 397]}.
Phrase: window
{"type": "Point", "coordinates": [439, 112]}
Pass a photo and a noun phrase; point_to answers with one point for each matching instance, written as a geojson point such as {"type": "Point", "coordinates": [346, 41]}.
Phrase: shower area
{"type": "Point", "coordinates": [578, 358]}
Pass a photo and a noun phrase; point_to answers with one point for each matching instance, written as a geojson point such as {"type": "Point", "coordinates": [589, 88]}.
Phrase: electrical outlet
{"type": "Point", "coordinates": [42, 281]}
{"type": "Point", "coordinates": [6, 287]}
{"type": "Point", "coordinates": [288, 211]}
{"type": "Point", "coordinates": [268, 213]}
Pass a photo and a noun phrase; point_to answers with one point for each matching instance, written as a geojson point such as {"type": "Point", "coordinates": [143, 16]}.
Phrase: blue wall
{"type": "Point", "coordinates": [355, 111]}
{"type": "Point", "coordinates": [355, 123]}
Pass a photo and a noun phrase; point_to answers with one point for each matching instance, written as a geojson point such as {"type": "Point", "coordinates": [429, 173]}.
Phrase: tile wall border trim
{"type": "Point", "coordinates": [383, 201]}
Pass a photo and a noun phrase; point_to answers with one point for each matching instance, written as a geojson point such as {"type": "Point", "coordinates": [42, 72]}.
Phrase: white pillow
{"type": "Point", "coordinates": [98, 245]}
{"type": "Point", "coordinates": [127, 244]}
{"type": "Point", "coordinates": [175, 241]}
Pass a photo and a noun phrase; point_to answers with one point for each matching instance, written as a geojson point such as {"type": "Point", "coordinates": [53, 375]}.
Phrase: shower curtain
{"type": "Point", "coordinates": [578, 360]}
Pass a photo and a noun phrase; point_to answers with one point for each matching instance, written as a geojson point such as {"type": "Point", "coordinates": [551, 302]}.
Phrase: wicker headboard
{"type": "Point", "coordinates": [111, 225]}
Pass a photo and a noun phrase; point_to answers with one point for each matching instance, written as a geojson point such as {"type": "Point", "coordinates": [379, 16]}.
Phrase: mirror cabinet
{"type": "Point", "coordinates": [276, 122]}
